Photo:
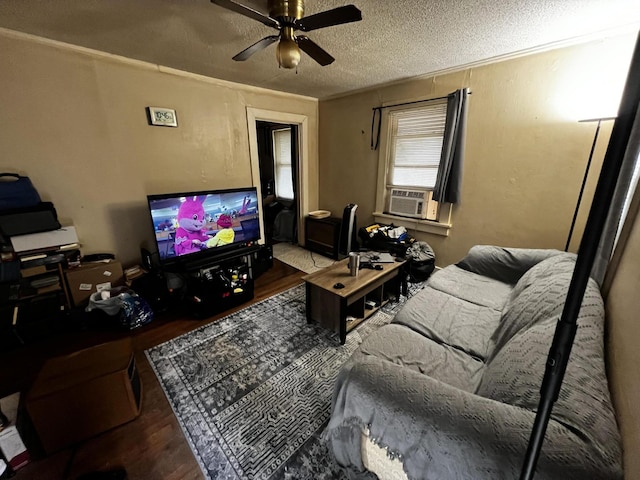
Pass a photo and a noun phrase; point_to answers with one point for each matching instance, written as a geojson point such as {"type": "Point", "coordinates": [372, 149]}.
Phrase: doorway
{"type": "Point", "coordinates": [300, 136]}
{"type": "Point", "coordinates": [278, 162]}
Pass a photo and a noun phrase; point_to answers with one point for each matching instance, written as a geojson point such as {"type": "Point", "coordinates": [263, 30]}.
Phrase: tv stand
{"type": "Point", "coordinates": [218, 283]}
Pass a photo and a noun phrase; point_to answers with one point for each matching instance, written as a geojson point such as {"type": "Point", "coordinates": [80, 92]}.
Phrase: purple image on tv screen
{"type": "Point", "coordinates": [194, 223]}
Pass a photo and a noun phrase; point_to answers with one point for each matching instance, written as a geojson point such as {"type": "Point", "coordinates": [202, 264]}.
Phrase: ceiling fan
{"type": "Point", "coordinates": [287, 16]}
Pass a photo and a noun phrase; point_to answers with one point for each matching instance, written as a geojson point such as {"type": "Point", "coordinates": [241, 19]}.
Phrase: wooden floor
{"type": "Point", "coordinates": [152, 446]}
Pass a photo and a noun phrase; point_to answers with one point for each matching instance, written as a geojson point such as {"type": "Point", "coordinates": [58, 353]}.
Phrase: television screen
{"type": "Point", "coordinates": [197, 224]}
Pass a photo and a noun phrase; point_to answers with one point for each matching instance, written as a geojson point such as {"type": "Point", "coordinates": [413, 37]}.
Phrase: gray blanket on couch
{"type": "Point", "coordinates": [451, 386]}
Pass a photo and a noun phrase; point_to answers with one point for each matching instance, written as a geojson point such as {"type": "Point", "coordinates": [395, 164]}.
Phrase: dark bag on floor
{"type": "Point", "coordinates": [380, 241]}
{"type": "Point", "coordinates": [421, 262]}
{"type": "Point", "coordinates": [17, 191]}
{"type": "Point", "coordinates": [133, 310]}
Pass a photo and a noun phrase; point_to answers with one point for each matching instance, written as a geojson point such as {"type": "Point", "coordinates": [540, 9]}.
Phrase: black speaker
{"type": "Point", "coordinates": [262, 260]}
{"type": "Point", "coordinates": [153, 288]}
{"type": "Point", "coordinates": [348, 240]}
{"type": "Point", "coordinates": [147, 260]}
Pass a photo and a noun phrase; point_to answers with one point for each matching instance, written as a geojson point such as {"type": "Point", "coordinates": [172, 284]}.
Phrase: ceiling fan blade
{"type": "Point", "coordinates": [336, 16]}
{"type": "Point", "coordinates": [259, 45]}
{"type": "Point", "coordinates": [248, 12]}
{"type": "Point", "coordinates": [314, 51]}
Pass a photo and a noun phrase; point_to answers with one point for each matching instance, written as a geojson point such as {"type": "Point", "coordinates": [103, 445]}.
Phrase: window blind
{"type": "Point", "coordinates": [282, 156]}
{"type": "Point", "coordinates": [416, 145]}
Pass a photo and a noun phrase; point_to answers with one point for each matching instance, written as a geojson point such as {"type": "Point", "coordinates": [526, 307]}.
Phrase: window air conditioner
{"type": "Point", "coordinates": [413, 203]}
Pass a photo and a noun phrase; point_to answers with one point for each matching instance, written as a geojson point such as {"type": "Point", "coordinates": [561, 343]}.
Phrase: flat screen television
{"type": "Point", "coordinates": [190, 227]}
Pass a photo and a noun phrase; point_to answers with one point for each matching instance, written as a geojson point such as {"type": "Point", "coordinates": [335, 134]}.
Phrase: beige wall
{"type": "Point", "coordinates": [623, 338]}
{"type": "Point", "coordinates": [525, 150]}
{"type": "Point", "coordinates": [75, 122]}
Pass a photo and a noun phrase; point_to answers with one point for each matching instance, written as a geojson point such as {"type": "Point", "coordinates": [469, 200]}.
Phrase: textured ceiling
{"type": "Point", "coordinates": [396, 39]}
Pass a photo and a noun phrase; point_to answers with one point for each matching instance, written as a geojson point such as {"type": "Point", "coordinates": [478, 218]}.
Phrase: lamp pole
{"type": "Point", "coordinates": [586, 174]}
{"type": "Point", "coordinates": [567, 325]}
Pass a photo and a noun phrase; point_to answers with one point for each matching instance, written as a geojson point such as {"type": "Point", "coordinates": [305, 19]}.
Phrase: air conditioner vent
{"type": "Point", "coordinates": [413, 203]}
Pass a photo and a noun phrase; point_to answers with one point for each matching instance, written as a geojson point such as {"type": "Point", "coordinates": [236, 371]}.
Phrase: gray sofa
{"type": "Point", "coordinates": [450, 388]}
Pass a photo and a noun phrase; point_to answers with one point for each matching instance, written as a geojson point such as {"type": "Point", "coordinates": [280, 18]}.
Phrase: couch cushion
{"type": "Point", "coordinates": [538, 295]}
{"type": "Point", "coordinates": [504, 264]}
{"type": "Point", "coordinates": [450, 320]}
{"type": "Point", "coordinates": [402, 346]}
{"type": "Point", "coordinates": [514, 375]}
{"type": "Point", "coordinates": [471, 287]}
{"type": "Point", "coordinates": [562, 263]}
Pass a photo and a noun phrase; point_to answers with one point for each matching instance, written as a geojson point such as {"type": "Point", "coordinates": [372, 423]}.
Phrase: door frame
{"type": "Point", "coordinates": [302, 187]}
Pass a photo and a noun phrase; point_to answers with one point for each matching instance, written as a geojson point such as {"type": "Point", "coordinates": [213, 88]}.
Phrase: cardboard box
{"type": "Point", "coordinates": [77, 396]}
{"type": "Point", "coordinates": [33, 271]}
{"type": "Point", "coordinates": [93, 277]}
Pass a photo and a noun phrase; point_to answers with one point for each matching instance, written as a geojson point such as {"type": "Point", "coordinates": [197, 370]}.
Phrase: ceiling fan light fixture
{"type": "Point", "coordinates": [288, 53]}
{"type": "Point", "coordinates": [286, 8]}
{"type": "Point", "coordinates": [287, 16]}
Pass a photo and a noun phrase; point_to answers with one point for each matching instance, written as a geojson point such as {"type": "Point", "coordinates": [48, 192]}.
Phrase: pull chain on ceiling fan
{"type": "Point", "coordinates": [287, 16]}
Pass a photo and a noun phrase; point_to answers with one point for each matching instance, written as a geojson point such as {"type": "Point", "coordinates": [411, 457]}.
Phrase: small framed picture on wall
{"type": "Point", "coordinates": [163, 117]}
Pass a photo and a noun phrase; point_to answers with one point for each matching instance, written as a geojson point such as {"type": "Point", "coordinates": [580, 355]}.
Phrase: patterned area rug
{"type": "Point", "coordinates": [300, 258]}
{"type": "Point", "coordinates": [253, 390]}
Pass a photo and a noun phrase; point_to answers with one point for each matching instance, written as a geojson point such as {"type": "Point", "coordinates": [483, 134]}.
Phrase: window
{"type": "Point", "coordinates": [282, 160]}
{"type": "Point", "coordinates": [416, 145]}
{"type": "Point", "coordinates": [409, 160]}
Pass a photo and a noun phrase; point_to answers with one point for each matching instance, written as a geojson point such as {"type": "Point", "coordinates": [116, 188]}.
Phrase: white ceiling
{"type": "Point", "coordinates": [396, 39]}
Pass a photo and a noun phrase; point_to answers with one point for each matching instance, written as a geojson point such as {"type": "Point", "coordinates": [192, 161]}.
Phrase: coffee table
{"type": "Point", "coordinates": [343, 309]}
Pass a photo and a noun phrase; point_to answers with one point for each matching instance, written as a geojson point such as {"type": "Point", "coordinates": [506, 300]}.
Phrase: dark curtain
{"type": "Point", "coordinates": [265, 156]}
{"type": "Point", "coordinates": [449, 180]}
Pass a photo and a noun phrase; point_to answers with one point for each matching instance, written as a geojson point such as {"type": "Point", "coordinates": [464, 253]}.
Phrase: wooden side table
{"type": "Point", "coordinates": [322, 235]}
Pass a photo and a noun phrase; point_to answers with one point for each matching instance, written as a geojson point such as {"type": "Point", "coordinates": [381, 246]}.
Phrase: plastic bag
{"type": "Point", "coordinates": [133, 311]}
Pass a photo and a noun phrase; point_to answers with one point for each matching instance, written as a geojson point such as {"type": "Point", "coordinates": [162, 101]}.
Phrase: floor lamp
{"type": "Point", "coordinates": [586, 173]}
{"type": "Point", "coordinates": [567, 326]}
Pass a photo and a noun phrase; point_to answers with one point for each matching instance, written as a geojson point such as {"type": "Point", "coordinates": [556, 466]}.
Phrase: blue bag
{"type": "Point", "coordinates": [132, 309]}
{"type": "Point", "coordinates": [17, 191]}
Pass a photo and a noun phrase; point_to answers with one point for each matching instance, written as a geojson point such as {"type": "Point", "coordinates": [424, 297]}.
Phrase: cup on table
{"type": "Point", "coordinates": [354, 263]}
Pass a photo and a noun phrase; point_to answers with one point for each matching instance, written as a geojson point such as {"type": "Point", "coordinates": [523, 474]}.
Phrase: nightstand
{"type": "Point", "coordinates": [322, 235]}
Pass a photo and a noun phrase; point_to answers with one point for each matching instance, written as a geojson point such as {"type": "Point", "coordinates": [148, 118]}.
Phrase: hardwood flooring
{"type": "Point", "coordinates": [151, 447]}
